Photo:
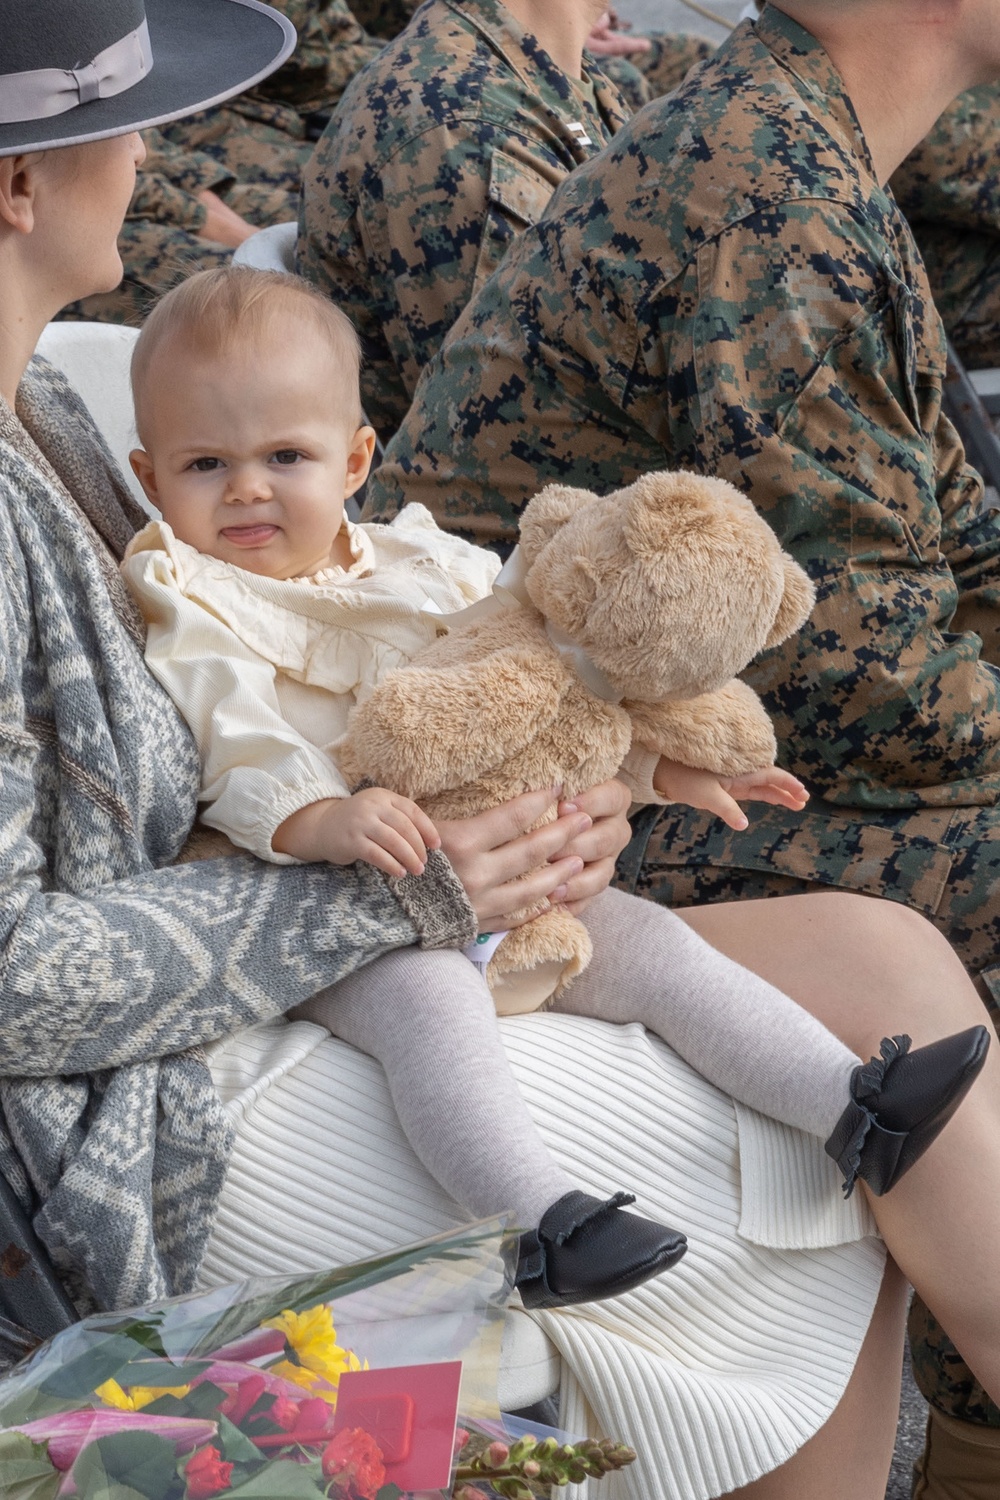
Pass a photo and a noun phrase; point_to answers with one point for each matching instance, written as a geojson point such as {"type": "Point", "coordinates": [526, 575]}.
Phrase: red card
{"type": "Point", "coordinates": [411, 1412]}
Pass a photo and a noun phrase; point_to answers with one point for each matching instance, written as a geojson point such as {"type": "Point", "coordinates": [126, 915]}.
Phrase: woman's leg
{"type": "Point", "coordinates": [852, 1452]}
{"type": "Point", "coordinates": [868, 968]}
{"type": "Point", "coordinates": [429, 1020]}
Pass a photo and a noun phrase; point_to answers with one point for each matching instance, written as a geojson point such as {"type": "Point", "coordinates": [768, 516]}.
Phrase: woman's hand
{"type": "Point", "coordinates": [721, 794]}
{"type": "Point", "coordinates": [600, 845]}
{"type": "Point", "coordinates": [491, 852]}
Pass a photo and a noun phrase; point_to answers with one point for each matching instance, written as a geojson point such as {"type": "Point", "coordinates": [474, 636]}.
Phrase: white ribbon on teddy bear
{"type": "Point", "coordinates": [509, 591]}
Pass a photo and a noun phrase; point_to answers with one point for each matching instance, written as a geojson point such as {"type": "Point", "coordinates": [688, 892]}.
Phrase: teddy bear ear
{"type": "Point", "coordinates": [544, 515]}
{"type": "Point", "coordinates": [796, 603]}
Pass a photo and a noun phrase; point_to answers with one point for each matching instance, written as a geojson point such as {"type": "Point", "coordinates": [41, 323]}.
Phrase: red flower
{"type": "Point", "coordinates": [354, 1460]}
{"type": "Point", "coordinates": [241, 1397]}
{"type": "Point", "coordinates": [207, 1475]}
{"type": "Point", "coordinates": [285, 1413]}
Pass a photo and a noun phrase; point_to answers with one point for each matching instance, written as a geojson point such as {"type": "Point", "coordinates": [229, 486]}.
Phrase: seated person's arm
{"type": "Point", "coordinates": [132, 969]}
{"type": "Point", "coordinates": [425, 235]}
{"type": "Point", "coordinates": [970, 541]}
{"type": "Point", "coordinates": [794, 383]}
{"type": "Point", "coordinates": [332, 47]}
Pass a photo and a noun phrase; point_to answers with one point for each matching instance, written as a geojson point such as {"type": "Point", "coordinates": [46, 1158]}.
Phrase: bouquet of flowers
{"type": "Point", "coordinates": [342, 1385]}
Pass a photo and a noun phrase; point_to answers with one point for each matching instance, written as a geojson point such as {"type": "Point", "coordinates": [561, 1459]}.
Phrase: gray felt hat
{"type": "Point", "coordinates": [80, 70]}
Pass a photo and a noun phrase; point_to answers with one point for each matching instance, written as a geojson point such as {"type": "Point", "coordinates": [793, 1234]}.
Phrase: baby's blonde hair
{"type": "Point", "coordinates": [223, 309]}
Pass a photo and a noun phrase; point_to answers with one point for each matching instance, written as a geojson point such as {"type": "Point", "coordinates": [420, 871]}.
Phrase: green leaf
{"type": "Point", "coordinates": [235, 1445]}
{"type": "Point", "coordinates": [115, 1492]}
{"type": "Point", "coordinates": [82, 1375]}
{"type": "Point", "coordinates": [158, 1372]}
{"type": "Point", "coordinates": [25, 1470]}
{"type": "Point", "coordinates": [34, 1489]}
{"type": "Point", "coordinates": [203, 1401]}
{"type": "Point", "coordinates": [388, 1492]}
{"type": "Point", "coordinates": [142, 1460]}
{"type": "Point", "coordinates": [281, 1480]}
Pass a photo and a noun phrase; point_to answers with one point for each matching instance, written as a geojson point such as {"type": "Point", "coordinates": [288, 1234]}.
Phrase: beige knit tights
{"type": "Point", "coordinates": [429, 1020]}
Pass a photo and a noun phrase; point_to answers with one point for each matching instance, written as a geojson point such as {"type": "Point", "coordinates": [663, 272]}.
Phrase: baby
{"type": "Point", "coordinates": [269, 616]}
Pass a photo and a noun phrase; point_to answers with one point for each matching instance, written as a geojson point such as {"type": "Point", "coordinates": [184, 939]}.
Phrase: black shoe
{"type": "Point", "coordinates": [585, 1250]}
{"type": "Point", "coordinates": [901, 1102]}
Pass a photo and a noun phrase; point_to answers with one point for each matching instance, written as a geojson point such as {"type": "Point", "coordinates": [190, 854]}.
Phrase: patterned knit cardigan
{"type": "Point", "coordinates": [115, 964]}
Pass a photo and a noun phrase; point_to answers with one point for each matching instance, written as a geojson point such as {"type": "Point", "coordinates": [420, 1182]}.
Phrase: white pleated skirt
{"type": "Point", "coordinates": [715, 1372]}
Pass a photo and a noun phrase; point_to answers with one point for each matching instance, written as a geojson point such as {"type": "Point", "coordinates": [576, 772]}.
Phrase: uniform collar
{"type": "Point", "coordinates": [540, 75]}
{"type": "Point", "coordinates": [800, 52]}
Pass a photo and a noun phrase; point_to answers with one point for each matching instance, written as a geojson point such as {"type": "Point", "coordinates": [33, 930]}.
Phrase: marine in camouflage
{"type": "Point", "coordinates": [442, 152]}
{"type": "Point", "coordinates": [646, 75]}
{"type": "Point", "coordinates": [727, 288]}
{"type": "Point", "coordinates": [264, 134]}
{"type": "Point", "coordinates": [949, 188]}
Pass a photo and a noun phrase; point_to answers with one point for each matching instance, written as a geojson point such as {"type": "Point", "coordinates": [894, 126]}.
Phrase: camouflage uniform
{"type": "Point", "coordinates": [949, 188]}
{"type": "Point", "coordinates": [726, 288]}
{"type": "Point", "coordinates": [385, 18]}
{"type": "Point", "coordinates": [441, 153]}
{"type": "Point", "coordinates": [647, 75]}
{"type": "Point", "coordinates": [159, 242]}
{"type": "Point", "coordinates": [263, 135]}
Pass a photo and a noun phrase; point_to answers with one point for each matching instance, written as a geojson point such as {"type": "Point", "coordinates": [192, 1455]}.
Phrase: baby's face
{"type": "Point", "coordinates": [248, 456]}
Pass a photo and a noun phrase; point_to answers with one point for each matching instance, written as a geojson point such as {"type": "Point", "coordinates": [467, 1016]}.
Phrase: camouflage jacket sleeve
{"type": "Point", "coordinates": [334, 256]}
{"type": "Point", "coordinates": [970, 541]}
{"type": "Point", "coordinates": [430, 225]}
{"type": "Point", "coordinates": [332, 47]}
{"type": "Point", "coordinates": [883, 699]}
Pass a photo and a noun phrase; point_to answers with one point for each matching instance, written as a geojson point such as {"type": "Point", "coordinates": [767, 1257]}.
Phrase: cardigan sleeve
{"type": "Point", "coordinates": [256, 770]}
{"type": "Point", "coordinates": [138, 966]}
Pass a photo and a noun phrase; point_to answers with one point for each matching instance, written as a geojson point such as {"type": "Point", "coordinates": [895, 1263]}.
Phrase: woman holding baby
{"type": "Point", "coordinates": [120, 964]}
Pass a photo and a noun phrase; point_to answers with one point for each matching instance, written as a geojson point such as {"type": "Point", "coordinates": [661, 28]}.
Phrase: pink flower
{"type": "Point", "coordinates": [67, 1433]}
{"type": "Point", "coordinates": [206, 1474]}
{"type": "Point", "coordinates": [252, 1345]}
{"type": "Point", "coordinates": [354, 1461]}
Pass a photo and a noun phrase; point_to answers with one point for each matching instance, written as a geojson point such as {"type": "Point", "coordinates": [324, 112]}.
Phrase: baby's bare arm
{"type": "Point", "coordinates": [386, 830]}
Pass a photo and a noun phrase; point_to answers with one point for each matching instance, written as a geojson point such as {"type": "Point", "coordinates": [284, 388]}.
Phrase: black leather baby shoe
{"type": "Point", "coordinates": [584, 1250]}
{"type": "Point", "coordinates": [900, 1102]}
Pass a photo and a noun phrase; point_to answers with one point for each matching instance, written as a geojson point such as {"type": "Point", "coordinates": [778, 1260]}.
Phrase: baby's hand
{"type": "Point", "coordinates": [378, 826]}
{"type": "Point", "coordinates": [721, 794]}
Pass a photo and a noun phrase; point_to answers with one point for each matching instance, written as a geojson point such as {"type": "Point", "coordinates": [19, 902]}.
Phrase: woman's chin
{"type": "Point", "coordinates": [106, 282]}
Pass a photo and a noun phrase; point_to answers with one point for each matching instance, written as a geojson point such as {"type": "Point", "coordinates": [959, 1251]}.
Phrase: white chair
{"type": "Point", "coordinates": [95, 359]}
{"type": "Point", "coordinates": [271, 249]}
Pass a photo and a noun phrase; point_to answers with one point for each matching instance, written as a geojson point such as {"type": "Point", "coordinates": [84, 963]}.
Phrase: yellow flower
{"type": "Point", "coordinates": [137, 1396]}
{"type": "Point", "coordinates": [312, 1339]}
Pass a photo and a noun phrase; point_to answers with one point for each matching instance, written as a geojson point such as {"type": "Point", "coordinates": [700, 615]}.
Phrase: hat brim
{"type": "Point", "coordinates": [204, 52]}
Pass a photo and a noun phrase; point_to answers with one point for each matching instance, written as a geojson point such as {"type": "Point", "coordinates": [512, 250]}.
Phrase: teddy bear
{"type": "Point", "coordinates": [618, 626]}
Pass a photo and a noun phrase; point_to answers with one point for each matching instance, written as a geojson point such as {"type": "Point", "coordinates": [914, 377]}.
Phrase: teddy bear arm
{"type": "Point", "coordinates": [423, 732]}
{"type": "Point", "coordinates": [727, 731]}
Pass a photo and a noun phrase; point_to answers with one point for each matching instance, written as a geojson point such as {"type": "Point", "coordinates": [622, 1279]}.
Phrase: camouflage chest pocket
{"type": "Point", "coordinates": [517, 197]}
{"type": "Point", "coordinates": [862, 412]}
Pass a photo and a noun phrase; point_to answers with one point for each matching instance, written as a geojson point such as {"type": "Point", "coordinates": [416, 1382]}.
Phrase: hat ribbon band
{"type": "Point", "coordinates": [43, 92]}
